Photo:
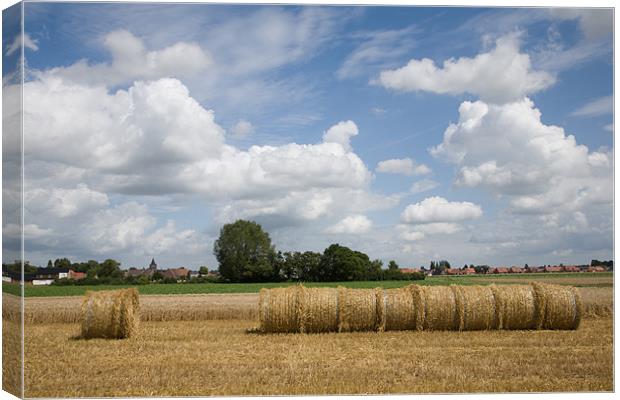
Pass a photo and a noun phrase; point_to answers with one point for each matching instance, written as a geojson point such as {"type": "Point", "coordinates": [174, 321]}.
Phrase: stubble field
{"type": "Point", "coordinates": [199, 345]}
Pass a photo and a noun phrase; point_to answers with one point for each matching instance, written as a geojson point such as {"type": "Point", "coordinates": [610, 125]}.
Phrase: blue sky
{"type": "Point", "coordinates": [469, 134]}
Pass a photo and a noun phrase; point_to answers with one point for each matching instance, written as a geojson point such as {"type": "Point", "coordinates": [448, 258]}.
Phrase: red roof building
{"type": "Point", "coordinates": [553, 269]}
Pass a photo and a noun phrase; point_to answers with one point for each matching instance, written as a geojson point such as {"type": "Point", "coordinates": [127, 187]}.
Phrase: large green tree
{"type": "Point", "coordinates": [245, 253]}
{"type": "Point", "coordinates": [340, 263]}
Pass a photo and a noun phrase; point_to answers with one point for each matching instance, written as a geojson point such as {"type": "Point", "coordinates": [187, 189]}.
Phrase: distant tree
{"type": "Point", "coordinates": [203, 270]}
{"type": "Point", "coordinates": [62, 263]}
{"type": "Point", "coordinates": [110, 269]}
{"type": "Point", "coordinates": [49, 264]}
{"type": "Point", "coordinates": [340, 263]}
{"type": "Point", "coordinates": [392, 265]}
{"type": "Point", "coordinates": [375, 271]}
{"type": "Point", "coordinates": [244, 252]}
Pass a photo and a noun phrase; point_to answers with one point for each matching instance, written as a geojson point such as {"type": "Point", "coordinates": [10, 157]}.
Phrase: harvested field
{"type": "Point", "coordinates": [41, 310]}
{"type": "Point", "coordinates": [596, 302]}
{"type": "Point", "coordinates": [198, 358]}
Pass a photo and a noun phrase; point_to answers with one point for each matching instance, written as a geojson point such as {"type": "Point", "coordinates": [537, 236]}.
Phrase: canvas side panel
{"type": "Point", "coordinates": [12, 222]}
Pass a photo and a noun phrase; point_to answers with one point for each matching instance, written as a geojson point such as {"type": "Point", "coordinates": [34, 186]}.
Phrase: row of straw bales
{"type": "Point", "coordinates": [415, 307]}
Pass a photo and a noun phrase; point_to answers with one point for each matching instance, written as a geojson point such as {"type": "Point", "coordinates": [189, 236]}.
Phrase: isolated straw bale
{"type": "Point", "coordinates": [475, 307]}
{"type": "Point", "coordinates": [111, 314]}
{"type": "Point", "coordinates": [516, 306]}
{"type": "Point", "coordinates": [318, 310]}
{"type": "Point", "coordinates": [435, 308]}
{"type": "Point", "coordinates": [357, 310]}
{"type": "Point", "coordinates": [279, 309]}
{"type": "Point", "coordinates": [399, 309]}
{"type": "Point", "coordinates": [557, 307]}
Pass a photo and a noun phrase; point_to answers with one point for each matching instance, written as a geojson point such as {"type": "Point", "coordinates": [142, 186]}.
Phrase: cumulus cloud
{"type": "Point", "coordinates": [132, 61]}
{"type": "Point", "coordinates": [601, 106]}
{"type": "Point", "coordinates": [154, 139]}
{"type": "Point", "coordinates": [341, 133]}
{"type": "Point", "coordinates": [404, 166]}
{"type": "Point", "coordinates": [353, 225]}
{"type": "Point", "coordinates": [437, 209]}
{"type": "Point", "coordinates": [513, 76]}
{"type": "Point", "coordinates": [242, 129]}
{"type": "Point", "coordinates": [509, 151]}
{"type": "Point", "coordinates": [423, 185]}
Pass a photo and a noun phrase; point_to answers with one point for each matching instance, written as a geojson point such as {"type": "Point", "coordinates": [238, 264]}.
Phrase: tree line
{"type": "Point", "coordinates": [245, 254]}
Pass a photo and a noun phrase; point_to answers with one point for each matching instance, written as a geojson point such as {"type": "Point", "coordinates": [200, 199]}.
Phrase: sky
{"type": "Point", "coordinates": [474, 135]}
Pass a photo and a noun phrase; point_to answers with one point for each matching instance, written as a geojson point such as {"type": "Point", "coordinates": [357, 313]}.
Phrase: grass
{"type": "Point", "coordinates": [219, 358]}
{"type": "Point", "coordinates": [601, 279]}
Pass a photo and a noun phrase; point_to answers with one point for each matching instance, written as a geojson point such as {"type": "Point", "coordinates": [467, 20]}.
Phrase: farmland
{"type": "Point", "coordinates": [600, 279]}
{"type": "Point", "coordinates": [199, 345]}
{"type": "Point", "coordinates": [218, 357]}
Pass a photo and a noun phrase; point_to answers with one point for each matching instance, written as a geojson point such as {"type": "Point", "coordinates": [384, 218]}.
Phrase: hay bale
{"type": "Point", "coordinates": [475, 307]}
{"type": "Point", "coordinates": [399, 310]}
{"type": "Point", "coordinates": [435, 308]}
{"type": "Point", "coordinates": [111, 314]}
{"type": "Point", "coordinates": [381, 309]}
{"type": "Point", "coordinates": [557, 307]}
{"type": "Point", "coordinates": [278, 309]}
{"type": "Point", "coordinates": [318, 310]}
{"type": "Point", "coordinates": [357, 310]}
{"type": "Point", "coordinates": [515, 305]}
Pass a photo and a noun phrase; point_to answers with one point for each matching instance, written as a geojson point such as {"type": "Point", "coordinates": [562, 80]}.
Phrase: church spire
{"type": "Point", "coordinates": [153, 264]}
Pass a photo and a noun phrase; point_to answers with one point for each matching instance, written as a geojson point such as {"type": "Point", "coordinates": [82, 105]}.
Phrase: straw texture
{"type": "Point", "coordinates": [516, 306]}
{"type": "Point", "coordinates": [279, 309]}
{"type": "Point", "coordinates": [318, 310]}
{"type": "Point", "coordinates": [558, 307]}
{"type": "Point", "coordinates": [110, 314]}
{"type": "Point", "coordinates": [357, 310]}
{"type": "Point", "coordinates": [399, 310]}
{"type": "Point", "coordinates": [475, 307]}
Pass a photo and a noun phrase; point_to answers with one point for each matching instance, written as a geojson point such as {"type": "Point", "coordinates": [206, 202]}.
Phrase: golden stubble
{"type": "Point", "coordinates": [219, 357]}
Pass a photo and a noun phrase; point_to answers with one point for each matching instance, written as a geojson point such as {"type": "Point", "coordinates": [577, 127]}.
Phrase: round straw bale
{"type": "Point", "coordinates": [557, 307]}
{"type": "Point", "coordinates": [475, 307]}
{"type": "Point", "coordinates": [357, 309]}
{"type": "Point", "coordinates": [516, 306]}
{"type": "Point", "coordinates": [439, 304]}
{"type": "Point", "coordinates": [279, 309]}
{"type": "Point", "coordinates": [419, 305]}
{"type": "Point", "coordinates": [318, 310]}
{"type": "Point", "coordinates": [381, 312]}
{"type": "Point", "coordinates": [399, 309]}
{"type": "Point", "coordinates": [112, 314]}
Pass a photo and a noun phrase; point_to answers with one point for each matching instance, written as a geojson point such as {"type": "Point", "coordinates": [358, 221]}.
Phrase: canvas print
{"type": "Point", "coordinates": [226, 199]}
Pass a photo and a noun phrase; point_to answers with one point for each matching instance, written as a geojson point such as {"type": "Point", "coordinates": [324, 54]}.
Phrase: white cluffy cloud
{"type": "Point", "coordinates": [509, 151]}
{"type": "Point", "coordinates": [154, 139]}
{"type": "Point", "coordinates": [341, 133]}
{"type": "Point", "coordinates": [404, 166]}
{"type": "Point", "coordinates": [437, 209]}
{"type": "Point", "coordinates": [511, 70]}
{"type": "Point", "coordinates": [354, 225]}
{"type": "Point", "coordinates": [132, 61]}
